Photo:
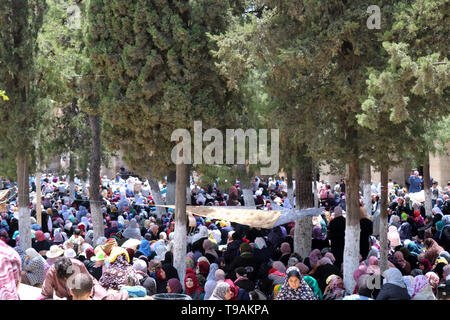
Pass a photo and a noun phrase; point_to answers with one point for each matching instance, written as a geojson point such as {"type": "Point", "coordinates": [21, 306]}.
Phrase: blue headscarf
{"type": "Point", "coordinates": [413, 248]}
{"type": "Point", "coordinates": [145, 248]}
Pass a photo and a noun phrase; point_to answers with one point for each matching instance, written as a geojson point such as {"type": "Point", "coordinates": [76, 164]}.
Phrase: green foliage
{"type": "Point", "coordinates": [410, 89]}
{"type": "Point", "coordinates": [61, 61]}
{"type": "Point", "coordinates": [155, 74]}
{"type": "Point", "coordinates": [20, 21]}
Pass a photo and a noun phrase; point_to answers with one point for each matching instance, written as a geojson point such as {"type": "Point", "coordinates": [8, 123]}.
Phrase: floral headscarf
{"type": "Point", "coordinates": [303, 292]}
{"type": "Point", "coordinates": [419, 283]}
{"type": "Point", "coordinates": [409, 282]}
{"type": "Point", "coordinates": [118, 274]}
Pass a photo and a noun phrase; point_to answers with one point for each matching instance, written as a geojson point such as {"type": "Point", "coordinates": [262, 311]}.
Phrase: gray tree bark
{"type": "Point", "coordinates": [157, 196]}
{"type": "Point", "coordinates": [352, 227]}
{"type": "Point", "coordinates": [94, 177]}
{"type": "Point", "coordinates": [23, 200]}
{"type": "Point", "coordinates": [366, 181]}
{"type": "Point", "coordinates": [179, 249]}
{"type": "Point", "coordinates": [304, 199]}
{"type": "Point", "coordinates": [170, 193]}
{"type": "Point", "coordinates": [71, 177]}
{"type": "Point", "coordinates": [427, 187]}
{"type": "Point", "coordinates": [384, 249]}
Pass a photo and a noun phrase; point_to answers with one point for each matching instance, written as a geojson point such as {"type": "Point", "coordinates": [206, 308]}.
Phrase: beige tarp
{"type": "Point", "coordinates": [3, 199]}
{"type": "Point", "coordinates": [418, 196]}
{"type": "Point", "coordinates": [250, 217]}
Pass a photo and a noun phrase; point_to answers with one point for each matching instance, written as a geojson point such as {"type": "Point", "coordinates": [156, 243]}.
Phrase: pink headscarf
{"type": "Point", "coordinates": [393, 236]}
{"type": "Point", "coordinates": [330, 256]}
{"type": "Point", "coordinates": [373, 269]}
{"type": "Point", "coordinates": [400, 259]}
{"type": "Point", "coordinates": [419, 283]}
{"type": "Point", "coordinates": [278, 265]}
{"type": "Point", "coordinates": [303, 268]}
{"type": "Point", "coordinates": [433, 279]}
{"type": "Point", "coordinates": [372, 261]}
{"type": "Point", "coordinates": [314, 257]}
{"type": "Point", "coordinates": [359, 272]}
{"type": "Point", "coordinates": [285, 248]}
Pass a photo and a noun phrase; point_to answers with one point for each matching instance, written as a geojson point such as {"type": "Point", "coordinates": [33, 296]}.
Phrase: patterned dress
{"type": "Point", "coordinates": [36, 269]}
{"type": "Point", "coordinates": [303, 292]}
{"type": "Point", "coordinates": [10, 266]}
{"type": "Point", "coordinates": [120, 273]}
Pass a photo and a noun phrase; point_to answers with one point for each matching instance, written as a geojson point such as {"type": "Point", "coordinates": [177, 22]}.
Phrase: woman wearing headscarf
{"type": "Point", "coordinates": [366, 226]}
{"type": "Point", "coordinates": [314, 257]}
{"type": "Point", "coordinates": [119, 272]}
{"type": "Point", "coordinates": [193, 289]}
{"type": "Point", "coordinates": [245, 259]}
{"type": "Point", "coordinates": [295, 287]}
{"type": "Point", "coordinates": [394, 288]}
{"type": "Point", "coordinates": [336, 234]}
{"type": "Point", "coordinates": [335, 288]}
{"type": "Point", "coordinates": [285, 250]}
{"type": "Point", "coordinates": [34, 268]}
{"type": "Point", "coordinates": [199, 238]}
{"type": "Point", "coordinates": [114, 228]}
{"type": "Point", "coordinates": [144, 248]}
{"type": "Point", "coordinates": [413, 248]}
{"type": "Point", "coordinates": [222, 291]}
{"type": "Point", "coordinates": [132, 231]}
{"type": "Point", "coordinates": [393, 236]}
{"type": "Point", "coordinates": [165, 273]}
{"type": "Point", "coordinates": [40, 242]}
{"type": "Point", "coordinates": [433, 279]}
{"type": "Point", "coordinates": [210, 253]}
{"type": "Point", "coordinates": [409, 282]}
{"type": "Point", "coordinates": [432, 250]}
{"type": "Point", "coordinates": [402, 264]}
{"type": "Point", "coordinates": [174, 286]}
{"type": "Point", "coordinates": [277, 273]}
{"type": "Point", "coordinates": [276, 237]}
{"type": "Point", "coordinates": [211, 280]}
{"type": "Point", "coordinates": [314, 286]}
{"type": "Point", "coordinates": [444, 239]}
{"type": "Point", "coordinates": [425, 265]}
{"type": "Point", "coordinates": [422, 289]}
{"type": "Point", "coordinates": [319, 241]}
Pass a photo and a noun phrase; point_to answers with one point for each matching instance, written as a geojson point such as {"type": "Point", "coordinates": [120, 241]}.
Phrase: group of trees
{"type": "Point", "coordinates": [129, 73]}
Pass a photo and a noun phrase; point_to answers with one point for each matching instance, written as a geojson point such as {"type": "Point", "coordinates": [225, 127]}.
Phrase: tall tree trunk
{"type": "Point", "coordinates": [366, 181]}
{"type": "Point", "coordinates": [384, 250]}
{"type": "Point", "coordinates": [170, 192]}
{"type": "Point", "coordinates": [290, 193]}
{"type": "Point", "coordinates": [304, 199]}
{"type": "Point", "coordinates": [352, 226]}
{"type": "Point", "coordinates": [246, 187]}
{"type": "Point", "coordinates": [188, 185]}
{"type": "Point", "coordinates": [71, 178]}
{"type": "Point", "coordinates": [179, 248]}
{"type": "Point", "coordinates": [427, 186]}
{"type": "Point", "coordinates": [157, 196]}
{"type": "Point", "coordinates": [316, 195]}
{"type": "Point", "coordinates": [23, 200]}
{"type": "Point", "coordinates": [38, 198]}
{"type": "Point", "coordinates": [94, 177]}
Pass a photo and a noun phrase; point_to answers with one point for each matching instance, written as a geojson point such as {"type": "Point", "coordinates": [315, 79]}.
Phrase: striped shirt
{"type": "Point", "coordinates": [10, 268]}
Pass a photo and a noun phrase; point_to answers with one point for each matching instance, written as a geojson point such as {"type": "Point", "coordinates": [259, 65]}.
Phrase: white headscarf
{"type": "Point", "coordinates": [394, 276]}
{"type": "Point", "coordinates": [202, 233]}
